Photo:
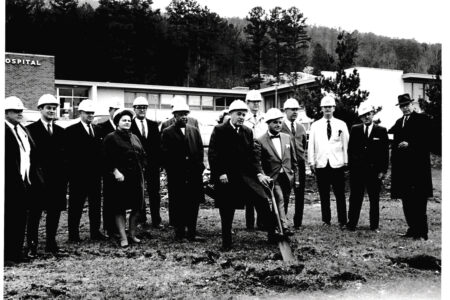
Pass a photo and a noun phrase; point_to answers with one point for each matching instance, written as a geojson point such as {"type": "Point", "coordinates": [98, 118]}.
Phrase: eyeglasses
{"type": "Point", "coordinates": [140, 107]}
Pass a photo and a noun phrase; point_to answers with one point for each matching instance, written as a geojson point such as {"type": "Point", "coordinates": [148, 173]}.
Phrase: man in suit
{"type": "Point", "coordinates": [182, 150]}
{"type": "Point", "coordinates": [147, 132]}
{"type": "Point", "coordinates": [104, 129]}
{"type": "Point", "coordinates": [368, 159]}
{"type": "Point", "coordinates": [298, 134]}
{"type": "Point", "coordinates": [23, 177]}
{"type": "Point", "coordinates": [234, 169]}
{"type": "Point", "coordinates": [190, 121]}
{"type": "Point", "coordinates": [327, 156]}
{"type": "Point", "coordinates": [254, 120]}
{"type": "Point", "coordinates": [83, 149]}
{"type": "Point", "coordinates": [49, 140]}
{"type": "Point", "coordinates": [278, 162]}
{"type": "Point", "coordinates": [411, 170]}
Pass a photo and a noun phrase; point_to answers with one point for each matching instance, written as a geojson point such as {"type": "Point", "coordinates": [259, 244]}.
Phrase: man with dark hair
{"type": "Point", "coordinates": [411, 169]}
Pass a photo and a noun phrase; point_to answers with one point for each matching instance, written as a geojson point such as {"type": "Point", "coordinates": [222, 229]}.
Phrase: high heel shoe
{"type": "Point", "coordinates": [135, 240]}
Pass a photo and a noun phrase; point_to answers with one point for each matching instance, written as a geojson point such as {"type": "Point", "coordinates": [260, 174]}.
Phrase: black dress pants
{"type": "Point", "coordinates": [299, 195]}
{"type": "Point", "coordinates": [51, 227]}
{"type": "Point", "coordinates": [79, 190]}
{"type": "Point", "coordinates": [360, 180]}
{"type": "Point", "coordinates": [153, 186]}
{"type": "Point", "coordinates": [334, 177]}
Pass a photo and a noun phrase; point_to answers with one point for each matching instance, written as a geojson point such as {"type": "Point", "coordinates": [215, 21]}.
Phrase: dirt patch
{"type": "Point", "coordinates": [421, 262]}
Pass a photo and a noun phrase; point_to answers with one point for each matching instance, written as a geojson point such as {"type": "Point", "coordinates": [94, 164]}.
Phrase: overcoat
{"type": "Point", "coordinates": [50, 153]}
{"type": "Point", "coordinates": [234, 154]}
{"type": "Point", "coordinates": [191, 121]}
{"type": "Point", "coordinates": [183, 161]}
{"type": "Point", "coordinates": [411, 166]}
{"type": "Point", "coordinates": [124, 152]}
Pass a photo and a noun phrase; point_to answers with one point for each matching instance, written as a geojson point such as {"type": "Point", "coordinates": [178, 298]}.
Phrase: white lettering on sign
{"type": "Point", "coordinates": [19, 61]}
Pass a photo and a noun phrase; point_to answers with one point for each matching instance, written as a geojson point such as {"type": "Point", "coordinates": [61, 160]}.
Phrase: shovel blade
{"type": "Point", "coordinates": [286, 251]}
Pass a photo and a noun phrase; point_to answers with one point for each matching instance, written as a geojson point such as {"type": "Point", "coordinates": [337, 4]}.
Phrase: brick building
{"type": "Point", "coordinates": [29, 76]}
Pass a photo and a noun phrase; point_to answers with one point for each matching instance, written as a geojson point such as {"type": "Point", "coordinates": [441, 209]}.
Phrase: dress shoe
{"type": "Point", "coordinates": [123, 244]}
{"type": "Point", "coordinates": [195, 239]}
{"type": "Point", "coordinates": [32, 252]}
{"type": "Point", "coordinates": [158, 226]}
{"type": "Point", "coordinates": [98, 236]}
{"type": "Point", "coordinates": [406, 235]}
{"type": "Point", "coordinates": [287, 232]}
{"type": "Point", "coordinates": [350, 227]}
{"type": "Point", "coordinates": [328, 224]}
{"type": "Point", "coordinates": [225, 248]}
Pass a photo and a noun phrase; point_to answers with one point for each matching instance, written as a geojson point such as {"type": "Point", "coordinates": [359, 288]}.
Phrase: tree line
{"type": "Point", "coordinates": [188, 45]}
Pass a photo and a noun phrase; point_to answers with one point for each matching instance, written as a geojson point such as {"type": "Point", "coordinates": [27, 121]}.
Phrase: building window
{"type": "Point", "coordinates": [195, 102]}
{"type": "Point", "coordinates": [69, 100]}
{"type": "Point", "coordinates": [221, 103]}
{"type": "Point", "coordinates": [207, 103]}
{"type": "Point", "coordinates": [166, 100]}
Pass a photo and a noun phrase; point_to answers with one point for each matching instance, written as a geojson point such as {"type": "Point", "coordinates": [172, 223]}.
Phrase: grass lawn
{"type": "Point", "coordinates": [332, 263]}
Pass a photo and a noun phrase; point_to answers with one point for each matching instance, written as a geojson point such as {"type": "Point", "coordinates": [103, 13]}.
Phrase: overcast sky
{"type": "Point", "coordinates": [422, 20]}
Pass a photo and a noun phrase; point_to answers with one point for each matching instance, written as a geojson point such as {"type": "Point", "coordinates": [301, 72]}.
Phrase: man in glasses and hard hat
{"type": "Point", "coordinates": [23, 177]}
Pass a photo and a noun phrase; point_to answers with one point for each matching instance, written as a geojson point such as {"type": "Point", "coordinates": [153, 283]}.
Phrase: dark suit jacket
{"type": "Point", "coordinates": [50, 152]}
{"type": "Point", "coordinates": [83, 153]}
{"type": "Point", "coordinates": [411, 166]}
{"type": "Point", "coordinates": [151, 144]}
{"type": "Point", "coordinates": [370, 153]}
{"type": "Point", "coordinates": [272, 163]}
{"type": "Point", "coordinates": [299, 139]}
{"type": "Point", "coordinates": [191, 121]}
{"type": "Point", "coordinates": [104, 128]}
{"type": "Point", "coordinates": [233, 154]}
{"type": "Point", "coordinates": [15, 188]}
{"type": "Point", "coordinates": [183, 161]}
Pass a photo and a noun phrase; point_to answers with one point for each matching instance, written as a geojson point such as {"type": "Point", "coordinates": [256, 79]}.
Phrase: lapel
{"type": "Point", "coordinates": [285, 140]}
{"type": "Point", "coordinates": [272, 146]}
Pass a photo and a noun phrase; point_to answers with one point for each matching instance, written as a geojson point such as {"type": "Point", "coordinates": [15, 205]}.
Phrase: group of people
{"type": "Point", "coordinates": [252, 158]}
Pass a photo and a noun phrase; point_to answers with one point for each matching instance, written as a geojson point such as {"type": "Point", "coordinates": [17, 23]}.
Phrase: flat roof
{"type": "Point", "coordinates": [150, 87]}
{"type": "Point", "coordinates": [418, 76]}
{"type": "Point", "coordinates": [287, 85]}
{"type": "Point", "coordinates": [28, 54]}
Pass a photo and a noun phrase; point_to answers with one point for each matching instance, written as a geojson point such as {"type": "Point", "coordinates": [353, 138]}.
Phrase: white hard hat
{"type": "Point", "coordinates": [272, 114]}
{"type": "Point", "coordinates": [115, 104]}
{"type": "Point", "coordinates": [180, 106]}
{"type": "Point", "coordinates": [291, 103]}
{"type": "Point", "coordinates": [140, 101]}
{"type": "Point", "coordinates": [178, 99]}
{"type": "Point", "coordinates": [13, 102]}
{"type": "Point", "coordinates": [47, 99]}
{"type": "Point", "coordinates": [364, 108]}
{"type": "Point", "coordinates": [328, 101]}
{"type": "Point", "coordinates": [86, 106]}
{"type": "Point", "coordinates": [253, 95]}
{"type": "Point", "coordinates": [237, 105]}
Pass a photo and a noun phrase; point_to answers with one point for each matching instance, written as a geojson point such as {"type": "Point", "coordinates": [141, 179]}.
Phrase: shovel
{"type": "Point", "coordinates": [283, 244]}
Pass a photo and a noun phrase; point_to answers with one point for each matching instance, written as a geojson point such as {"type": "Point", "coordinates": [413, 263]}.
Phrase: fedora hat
{"type": "Point", "coordinates": [403, 99]}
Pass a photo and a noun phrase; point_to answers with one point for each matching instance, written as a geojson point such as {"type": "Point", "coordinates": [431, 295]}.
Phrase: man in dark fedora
{"type": "Point", "coordinates": [411, 170]}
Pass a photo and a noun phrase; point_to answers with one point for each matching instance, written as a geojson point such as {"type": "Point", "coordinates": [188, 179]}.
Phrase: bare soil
{"type": "Point", "coordinates": [332, 263]}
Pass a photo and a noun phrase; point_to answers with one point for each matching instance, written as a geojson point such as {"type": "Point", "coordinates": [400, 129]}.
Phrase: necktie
{"type": "Point", "coordinates": [144, 134]}
{"type": "Point", "coordinates": [292, 128]}
{"type": "Point", "coordinates": [405, 118]}
{"type": "Point", "coordinates": [366, 132]}
{"type": "Point", "coordinates": [18, 136]}
{"type": "Point", "coordinates": [275, 136]}
{"type": "Point", "coordinates": [328, 129]}
{"type": "Point", "coordinates": [49, 129]}
{"type": "Point", "coordinates": [91, 133]}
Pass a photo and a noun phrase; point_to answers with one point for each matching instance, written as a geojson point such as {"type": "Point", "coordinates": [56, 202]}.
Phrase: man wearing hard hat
{"type": "Point", "coordinates": [104, 129]}
{"type": "Point", "coordinates": [182, 150]}
{"type": "Point", "coordinates": [49, 139]}
{"type": "Point", "coordinates": [327, 156]}
{"type": "Point", "coordinates": [368, 160]}
{"type": "Point", "coordinates": [234, 169]}
{"type": "Point", "coordinates": [83, 148]}
{"type": "Point", "coordinates": [278, 162]}
{"type": "Point", "coordinates": [254, 119]}
{"type": "Point", "coordinates": [298, 134]}
{"type": "Point", "coordinates": [175, 101]}
{"type": "Point", "coordinates": [148, 133]}
{"type": "Point", "coordinates": [23, 177]}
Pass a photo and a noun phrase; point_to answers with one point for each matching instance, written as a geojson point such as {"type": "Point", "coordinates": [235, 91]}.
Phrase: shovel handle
{"type": "Point", "coordinates": [275, 207]}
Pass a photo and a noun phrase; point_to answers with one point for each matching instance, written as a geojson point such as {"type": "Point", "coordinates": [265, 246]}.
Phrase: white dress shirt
{"type": "Point", "coordinates": [369, 130]}
{"type": "Point", "coordinates": [277, 143]}
{"type": "Point", "coordinates": [322, 150]}
{"type": "Point", "coordinates": [86, 127]}
{"type": "Point", "coordinates": [45, 123]}
{"type": "Point", "coordinates": [139, 126]}
{"type": "Point", "coordinates": [25, 150]}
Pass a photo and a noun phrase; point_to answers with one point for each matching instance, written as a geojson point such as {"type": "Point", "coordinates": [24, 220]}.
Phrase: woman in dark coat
{"type": "Point", "coordinates": [125, 162]}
